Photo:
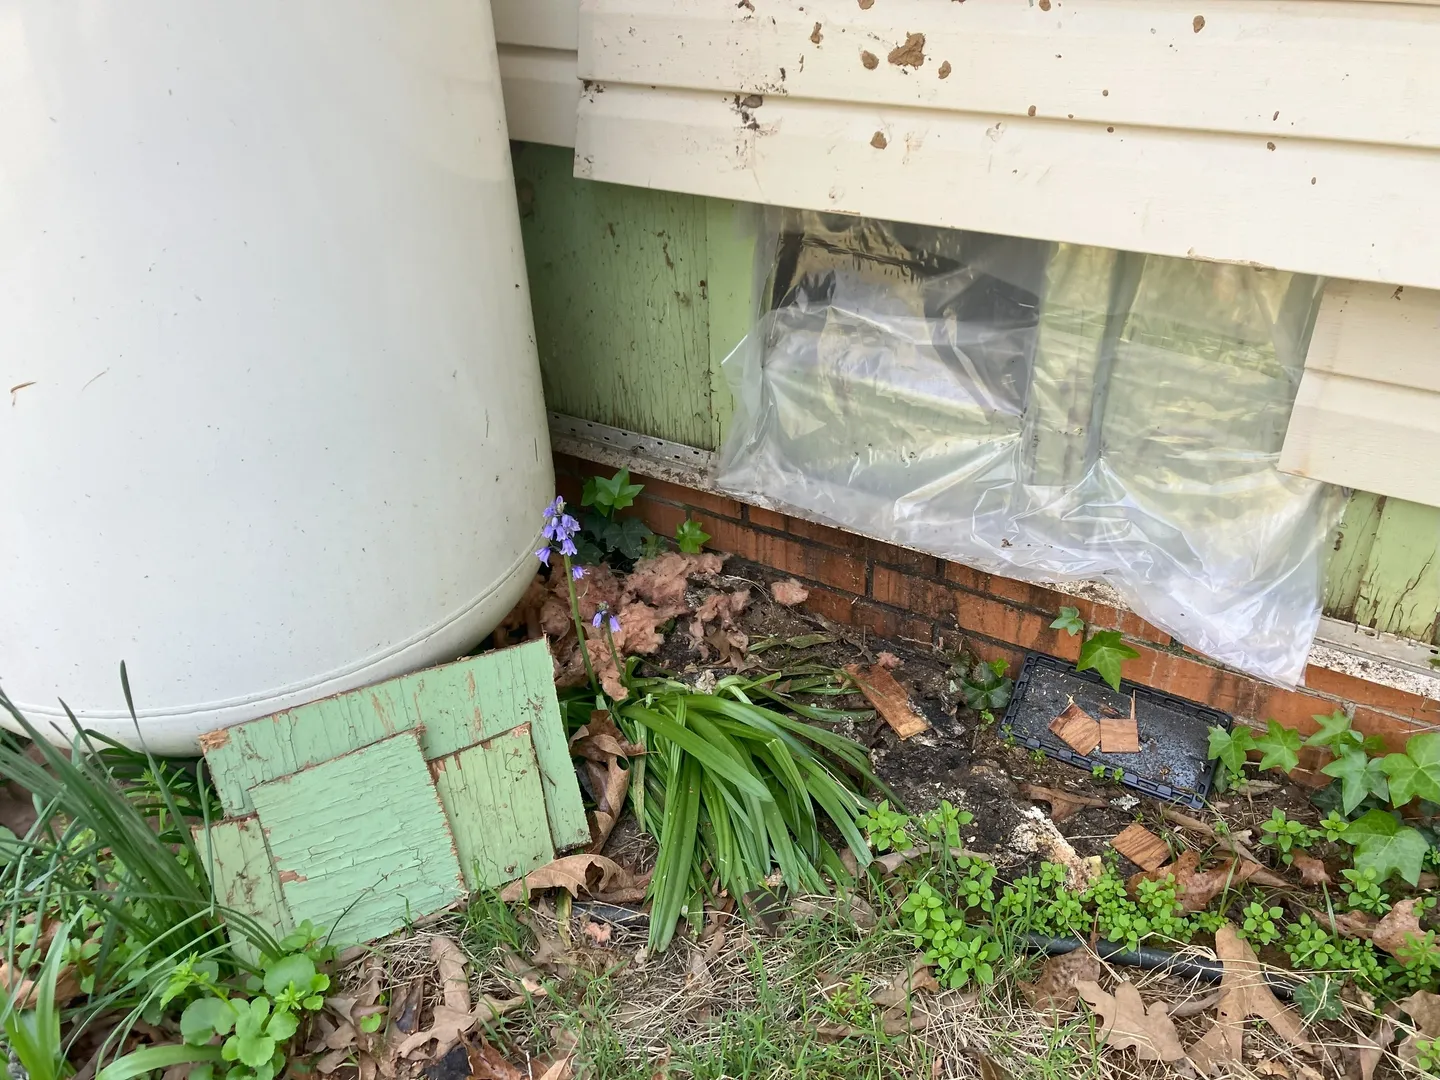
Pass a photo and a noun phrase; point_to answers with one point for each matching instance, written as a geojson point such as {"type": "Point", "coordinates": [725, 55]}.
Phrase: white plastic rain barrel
{"type": "Point", "coordinates": [271, 424]}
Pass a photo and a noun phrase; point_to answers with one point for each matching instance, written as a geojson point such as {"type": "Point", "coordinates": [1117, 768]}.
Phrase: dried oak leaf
{"type": "Point", "coordinates": [1423, 1008]}
{"type": "Point", "coordinates": [601, 745]}
{"type": "Point", "coordinates": [790, 592]}
{"type": "Point", "coordinates": [1243, 994]}
{"type": "Point", "coordinates": [487, 1063]}
{"type": "Point", "coordinates": [1398, 931]}
{"type": "Point", "coordinates": [1371, 1050]}
{"type": "Point", "coordinates": [454, 1014]}
{"type": "Point", "coordinates": [1127, 1023]}
{"type": "Point", "coordinates": [602, 878]}
{"type": "Point", "coordinates": [1063, 804]}
{"type": "Point", "coordinates": [1054, 991]}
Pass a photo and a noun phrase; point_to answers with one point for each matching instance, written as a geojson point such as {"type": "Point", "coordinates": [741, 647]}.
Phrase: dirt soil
{"type": "Point", "coordinates": [960, 758]}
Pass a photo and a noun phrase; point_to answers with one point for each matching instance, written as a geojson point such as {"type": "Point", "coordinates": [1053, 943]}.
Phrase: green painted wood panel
{"type": "Point", "coordinates": [242, 874]}
{"type": "Point", "coordinates": [618, 286]}
{"type": "Point", "coordinates": [455, 706]}
{"type": "Point", "coordinates": [492, 797]}
{"type": "Point", "coordinates": [1400, 591]}
{"type": "Point", "coordinates": [360, 843]}
{"type": "Point", "coordinates": [1350, 559]}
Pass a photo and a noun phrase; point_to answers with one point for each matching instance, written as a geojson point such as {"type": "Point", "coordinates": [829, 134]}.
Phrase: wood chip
{"type": "Point", "coordinates": [1120, 735]}
{"type": "Point", "coordinates": [1077, 729]}
{"type": "Point", "coordinates": [1063, 804]}
{"type": "Point", "coordinates": [1142, 847]}
{"type": "Point", "coordinates": [889, 698]}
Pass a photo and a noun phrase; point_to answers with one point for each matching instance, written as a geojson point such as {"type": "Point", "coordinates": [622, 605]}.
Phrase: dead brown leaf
{"type": "Point", "coordinates": [889, 699]}
{"type": "Point", "coordinates": [915, 979]}
{"type": "Point", "coordinates": [1127, 1023]}
{"type": "Point", "coordinates": [454, 1014]}
{"type": "Point", "coordinates": [1244, 993]}
{"type": "Point", "coordinates": [1424, 1009]}
{"type": "Point", "coordinates": [1063, 804]}
{"type": "Point", "coordinates": [1054, 993]}
{"type": "Point", "coordinates": [1354, 924]}
{"type": "Point", "coordinates": [789, 593]}
{"type": "Point", "coordinates": [1312, 870]}
{"type": "Point", "coordinates": [1196, 887]}
{"type": "Point", "coordinates": [602, 745]}
{"type": "Point", "coordinates": [1272, 1068]}
{"type": "Point", "coordinates": [1399, 930]}
{"type": "Point", "coordinates": [602, 878]}
{"type": "Point", "coordinates": [1371, 1050]}
{"type": "Point", "coordinates": [1142, 847]}
{"type": "Point", "coordinates": [1077, 729]}
{"type": "Point", "coordinates": [487, 1063]}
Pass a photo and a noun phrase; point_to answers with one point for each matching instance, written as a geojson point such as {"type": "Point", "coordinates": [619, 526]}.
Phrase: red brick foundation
{"type": "Point", "coordinates": [896, 593]}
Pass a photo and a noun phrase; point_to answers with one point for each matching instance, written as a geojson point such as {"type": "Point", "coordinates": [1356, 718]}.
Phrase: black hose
{"type": "Point", "coordinates": [1188, 967]}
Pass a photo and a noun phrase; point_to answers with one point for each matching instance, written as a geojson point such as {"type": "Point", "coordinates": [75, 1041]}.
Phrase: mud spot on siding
{"type": "Point", "coordinates": [911, 54]}
{"type": "Point", "coordinates": [945, 70]}
{"type": "Point", "coordinates": [1199, 23]}
{"type": "Point", "coordinates": [1030, 111]}
{"type": "Point", "coordinates": [746, 4]}
{"type": "Point", "coordinates": [1276, 116]}
{"type": "Point", "coordinates": [1044, 5]}
{"type": "Point", "coordinates": [816, 36]}
{"type": "Point", "coordinates": [866, 5]}
{"type": "Point", "coordinates": [1269, 146]}
{"type": "Point", "coordinates": [751, 101]}
{"type": "Point", "coordinates": [869, 59]}
{"type": "Point", "coordinates": [1111, 130]}
{"type": "Point", "coordinates": [878, 140]}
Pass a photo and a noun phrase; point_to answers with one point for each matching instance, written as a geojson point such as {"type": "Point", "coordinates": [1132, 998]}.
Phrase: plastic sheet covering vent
{"type": "Point", "coordinates": [1045, 411]}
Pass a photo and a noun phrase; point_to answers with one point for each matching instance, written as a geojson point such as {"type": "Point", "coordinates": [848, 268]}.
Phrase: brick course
{"type": "Point", "coordinates": [896, 593]}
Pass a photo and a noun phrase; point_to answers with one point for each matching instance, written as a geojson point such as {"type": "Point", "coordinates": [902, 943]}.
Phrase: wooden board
{"type": "Point", "coordinates": [455, 706]}
{"type": "Point", "coordinates": [496, 808]}
{"type": "Point", "coordinates": [1077, 729]}
{"type": "Point", "coordinates": [238, 864]}
{"type": "Point", "coordinates": [618, 283]}
{"type": "Point", "coordinates": [360, 843]}
{"type": "Point", "coordinates": [1142, 847]}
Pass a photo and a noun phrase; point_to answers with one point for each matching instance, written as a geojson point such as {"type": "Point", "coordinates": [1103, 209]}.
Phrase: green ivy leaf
{"type": "Point", "coordinates": [626, 536]}
{"type": "Point", "coordinates": [1231, 747]}
{"type": "Point", "coordinates": [610, 495]}
{"type": "Point", "coordinates": [296, 970]}
{"type": "Point", "coordinates": [1415, 772]}
{"type": "Point", "coordinates": [1332, 729]}
{"type": "Point", "coordinates": [1105, 652]}
{"type": "Point", "coordinates": [1069, 621]}
{"type": "Point", "coordinates": [1359, 776]}
{"type": "Point", "coordinates": [690, 538]}
{"type": "Point", "coordinates": [1280, 746]}
{"type": "Point", "coordinates": [205, 1018]}
{"type": "Point", "coordinates": [1382, 843]}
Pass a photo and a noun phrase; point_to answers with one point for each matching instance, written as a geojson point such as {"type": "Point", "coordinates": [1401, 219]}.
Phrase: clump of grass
{"type": "Point", "coordinates": [735, 789]}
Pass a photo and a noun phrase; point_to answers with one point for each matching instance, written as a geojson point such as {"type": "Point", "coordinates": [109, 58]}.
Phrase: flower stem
{"type": "Point", "coordinates": [614, 653]}
{"type": "Point", "coordinates": [579, 624]}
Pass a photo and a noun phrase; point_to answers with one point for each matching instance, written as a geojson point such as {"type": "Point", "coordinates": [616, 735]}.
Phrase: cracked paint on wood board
{"type": "Point", "coordinates": [453, 706]}
{"type": "Point", "coordinates": [360, 843]}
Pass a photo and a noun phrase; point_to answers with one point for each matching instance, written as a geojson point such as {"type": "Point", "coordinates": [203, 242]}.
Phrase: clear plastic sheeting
{"type": "Point", "coordinates": [1048, 412]}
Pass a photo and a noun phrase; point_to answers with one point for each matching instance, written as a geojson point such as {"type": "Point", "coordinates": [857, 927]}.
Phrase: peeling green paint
{"type": "Point", "coordinates": [360, 843]}
{"type": "Point", "coordinates": [1400, 591]}
{"type": "Point", "coordinates": [492, 798]}
{"type": "Point", "coordinates": [238, 861]}
{"type": "Point", "coordinates": [454, 705]}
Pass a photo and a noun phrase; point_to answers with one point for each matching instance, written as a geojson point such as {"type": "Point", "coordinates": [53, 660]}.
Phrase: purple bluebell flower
{"type": "Point", "coordinates": [568, 525]}
{"type": "Point", "coordinates": [577, 572]}
{"type": "Point", "coordinates": [598, 619]}
{"type": "Point", "coordinates": [555, 509]}
{"type": "Point", "coordinates": [567, 547]}
{"type": "Point", "coordinates": [543, 554]}
{"type": "Point", "coordinates": [614, 625]}
{"type": "Point", "coordinates": [549, 531]}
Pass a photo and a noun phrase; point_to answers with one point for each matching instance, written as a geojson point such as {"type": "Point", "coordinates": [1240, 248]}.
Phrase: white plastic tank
{"type": "Point", "coordinates": [271, 424]}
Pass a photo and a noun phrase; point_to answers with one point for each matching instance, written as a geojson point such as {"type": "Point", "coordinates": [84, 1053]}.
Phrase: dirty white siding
{"type": "Point", "coordinates": [536, 40]}
{"type": "Point", "coordinates": [1368, 411]}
